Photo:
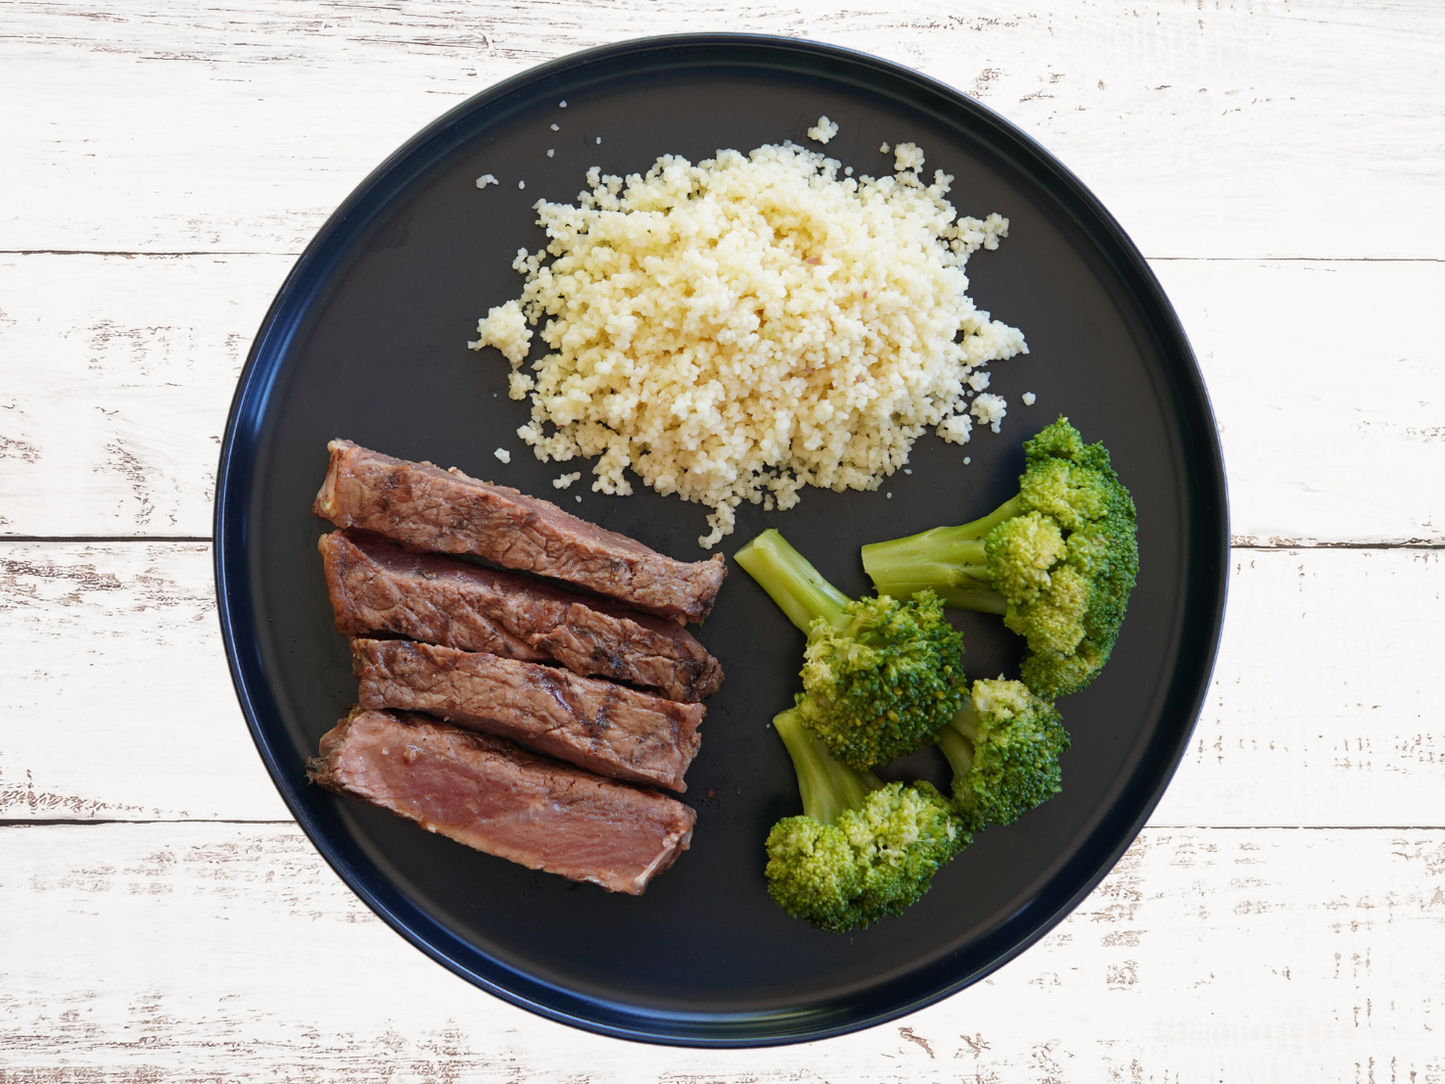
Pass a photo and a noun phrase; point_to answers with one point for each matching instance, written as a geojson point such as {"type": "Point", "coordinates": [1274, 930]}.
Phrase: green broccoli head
{"type": "Point", "coordinates": [812, 873]}
{"type": "Point", "coordinates": [880, 677]}
{"type": "Point", "coordinates": [863, 849]}
{"type": "Point", "coordinates": [1058, 560]}
{"type": "Point", "coordinates": [1072, 627]}
{"type": "Point", "coordinates": [900, 838]}
{"type": "Point", "coordinates": [1004, 747]}
{"type": "Point", "coordinates": [883, 684]}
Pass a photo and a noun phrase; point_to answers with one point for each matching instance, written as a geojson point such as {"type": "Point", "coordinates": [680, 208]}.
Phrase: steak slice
{"type": "Point", "coordinates": [426, 508]}
{"type": "Point", "coordinates": [596, 725]}
{"type": "Point", "coordinates": [375, 585]}
{"type": "Point", "coordinates": [495, 796]}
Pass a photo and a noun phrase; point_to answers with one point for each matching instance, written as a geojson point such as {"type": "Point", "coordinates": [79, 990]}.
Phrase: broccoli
{"type": "Point", "coordinates": [880, 677]}
{"type": "Point", "coordinates": [863, 849]}
{"type": "Point", "coordinates": [1004, 748]}
{"type": "Point", "coordinates": [1058, 561]}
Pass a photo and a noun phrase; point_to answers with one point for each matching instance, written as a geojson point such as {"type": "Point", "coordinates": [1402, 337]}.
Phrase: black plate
{"type": "Point", "coordinates": [367, 340]}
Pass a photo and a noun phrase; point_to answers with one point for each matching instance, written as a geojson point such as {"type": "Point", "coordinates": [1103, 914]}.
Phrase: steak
{"type": "Point", "coordinates": [377, 586]}
{"type": "Point", "coordinates": [495, 796]}
{"type": "Point", "coordinates": [605, 728]}
{"type": "Point", "coordinates": [427, 508]}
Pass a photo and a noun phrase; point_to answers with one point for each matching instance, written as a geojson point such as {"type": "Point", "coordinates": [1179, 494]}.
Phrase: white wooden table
{"type": "Point", "coordinates": [1282, 165]}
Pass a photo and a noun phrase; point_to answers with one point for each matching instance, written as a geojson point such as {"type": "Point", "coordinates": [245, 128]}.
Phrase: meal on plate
{"type": "Point", "coordinates": [727, 331]}
{"type": "Point", "coordinates": [882, 678]}
{"type": "Point", "coordinates": [739, 328]}
{"type": "Point", "coordinates": [483, 713]}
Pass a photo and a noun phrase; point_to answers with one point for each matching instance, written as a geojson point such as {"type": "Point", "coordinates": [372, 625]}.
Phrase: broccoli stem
{"type": "Point", "coordinates": [950, 560]}
{"type": "Point", "coordinates": [827, 787]}
{"type": "Point", "coordinates": [958, 737]}
{"type": "Point", "coordinates": [796, 586]}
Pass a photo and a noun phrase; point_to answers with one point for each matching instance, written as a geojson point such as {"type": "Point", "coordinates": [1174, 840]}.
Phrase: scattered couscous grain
{"type": "Point", "coordinates": [504, 455]}
{"type": "Point", "coordinates": [737, 329]}
{"type": "Point", "coordinates": [907, 156]}
{"type": "Point", "coordinates": [989, 409]}
{"type": "Point", "coordinates": [823, 131]}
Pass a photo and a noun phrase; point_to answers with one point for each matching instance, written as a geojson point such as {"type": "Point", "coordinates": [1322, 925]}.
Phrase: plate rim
{"type": "Point", "coordinates": [1122, 823]}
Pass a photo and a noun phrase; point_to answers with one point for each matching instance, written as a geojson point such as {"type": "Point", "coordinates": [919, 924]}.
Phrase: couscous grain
{"type": "Point", "coordinates": [737, 329]}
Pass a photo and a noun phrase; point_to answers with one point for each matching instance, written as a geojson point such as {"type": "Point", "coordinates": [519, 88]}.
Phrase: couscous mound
{"type": "Point", "coordinates": [737, 329]}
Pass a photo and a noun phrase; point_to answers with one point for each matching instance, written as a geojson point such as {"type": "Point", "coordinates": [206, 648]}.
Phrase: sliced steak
{"type": "Point", "coordinates": [492, 795]}
{"type": "Point", "coordinates": [594, 724]}
{"type": "Point", "coordinates": [377, 586]}
{"type": "Point", "coordinates": [426, 508]}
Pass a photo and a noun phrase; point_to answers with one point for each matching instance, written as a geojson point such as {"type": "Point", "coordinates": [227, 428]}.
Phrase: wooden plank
{"type": "Point", "coordinates": [1210, 129]}
{"type": "Point", "coordinates": [209, 952]}
{"type": "Point", "coordinates": [1324, 709]}
{"type": "Point", "coordinates": [118, 374]}
{"type": "Point", "coordinates": [1325, 441]}
{"type": "Point", "coordinates": [1325, 706]}
{"type": "Point", "coordinates": [117, 700]}
{"type": "Point", "coordinates": [1329, 393]}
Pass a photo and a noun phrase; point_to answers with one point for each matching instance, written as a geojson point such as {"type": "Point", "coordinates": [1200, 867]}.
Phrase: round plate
{"type": "Point", "coordinates": [367, 340]}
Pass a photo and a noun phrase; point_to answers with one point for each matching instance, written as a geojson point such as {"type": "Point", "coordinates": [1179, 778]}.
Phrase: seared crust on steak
{"type": "Point", "coordinates": [377, 586]}
{"type": "Point", "coordinates": [492, 795]}
{"type": "Point", "coordinates": [594, 724]}
{"type": "Point", "coordinates": [427, 508]}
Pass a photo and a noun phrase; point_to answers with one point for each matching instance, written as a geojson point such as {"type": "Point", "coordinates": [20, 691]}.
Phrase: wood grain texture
{"type": "Point", "coordinates": [222, 952]}
{"type": "Point", "coordinates": [116, 698]}
{"type": "Point", "coordinates": [1325, 705]}
{"type": "Point", "coordinates": [116, 374]}
{"type": "Point", "coordinates": [1210, 127]}
{"type": "Point", "coordinates": [1329, 391]}
{"type": "Point", "coordinates": [1324, 709]}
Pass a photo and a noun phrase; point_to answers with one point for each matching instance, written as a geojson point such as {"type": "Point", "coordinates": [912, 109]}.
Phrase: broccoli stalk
{"type": "Point", "coordinates": [1057, 560]}
{"type": "Point", "coordinates": [862, 849]}
{"type": "Point", "coordinates": [880, 677]}
{"type": "Point", "coordinates": [1004, 747]}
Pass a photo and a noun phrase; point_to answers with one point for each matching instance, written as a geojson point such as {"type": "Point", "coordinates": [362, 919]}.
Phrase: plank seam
{"type": "Point", "coordinates": [105, 538]}
{"type": "Point", "coordinates": [1301, 544]}
{"type": "Point", "coordinates": [1295, 259]}
{"type": "Point", "coordinates": [122, 252]}
{"type": "Point", "coordinates": [51, 822]}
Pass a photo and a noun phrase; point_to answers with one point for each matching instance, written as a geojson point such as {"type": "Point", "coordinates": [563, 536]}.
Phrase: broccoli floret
{"type": "Point", "coordinates": [1057, 561]}
{"type": "Point", "coordinates": [880, 677]}
{"type": "Point", "coordinates": [862, 849]}
{"type": "Point", "coordinates": [1004, 747]}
